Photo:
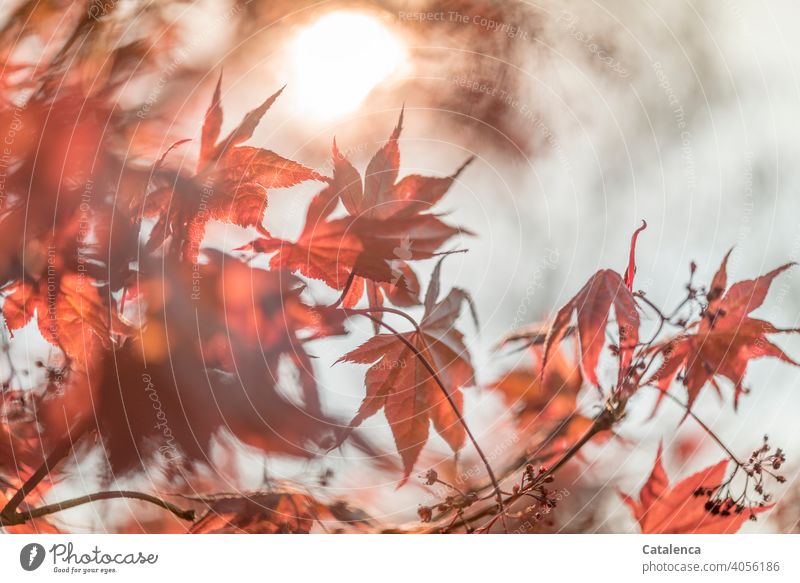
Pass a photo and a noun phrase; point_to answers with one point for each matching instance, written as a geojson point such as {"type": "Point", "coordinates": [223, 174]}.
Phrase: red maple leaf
{"type": "Point", "coordinates": [592, 305]}
{"type": "Point", "coordinates": [630, 271]}
{"type": "Point", "coordinates": [679, 510]}
{"type": "Point", "coordinates": [388, 223]}
{"type": "Point", "coordinates": [231, 184]}
{"type": "Point", "coordinates": [381, 202]}
{"type": "Point", "coordinates": [725, 340]}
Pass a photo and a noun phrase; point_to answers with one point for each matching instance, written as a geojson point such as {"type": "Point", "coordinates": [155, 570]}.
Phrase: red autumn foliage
{"type": "Point", "coordinates": [231, 184]}
{"type": "Point", "coordinates": [725, 340]}
{"type": "Point", "coordinates": [684, 508]}
{"type": "Point", "coordinates": [400, 382]}
{"type": "Point", "coordinates": [387, 224]}
{"type": "Point", "coordinates": [174, 359]}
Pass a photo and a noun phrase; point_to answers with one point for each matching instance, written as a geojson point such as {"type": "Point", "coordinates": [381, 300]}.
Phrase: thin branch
{"type": "Point", "coordinates": [601, 423]}
{"type": "Point", "coordinates": [532, 457]}
{"type": "Point", "coordinates": [367, 312]}
{"type": "Point", "coordinates": [10, 516]}
{"type": "Point", "coordinates": [22, 517]}
{"type": "Point", "coordinates": [700, 422]}
{"type": "Point", "coordinates": [348, 284]}
{"type": "Point", "coordinates": [661, 317]}
{"type": "Point", "coordinates": [51, 461]}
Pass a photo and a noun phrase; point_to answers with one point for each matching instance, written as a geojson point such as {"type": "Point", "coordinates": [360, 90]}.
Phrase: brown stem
{"type": "Point", "coordinates": [700, 422]}
{"type": "Point", "coordinates": [536, 453]}
{"type": "Point", "coordinates": [662, 319]}
{"type": "Point", "coordinates": [22, 517]}
{"type": "Point", "coordinates": [447, 395]}
{"type": "Point", "coordinates": [601, 423]}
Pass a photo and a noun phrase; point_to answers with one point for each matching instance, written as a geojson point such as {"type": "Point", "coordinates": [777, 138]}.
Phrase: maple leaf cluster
{"type": "Point", "coordinates": [715, 338]}
{"type": "Point", "coordinates": [161, 348]}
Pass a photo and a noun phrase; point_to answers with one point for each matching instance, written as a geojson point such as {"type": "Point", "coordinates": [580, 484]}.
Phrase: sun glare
{"type": "Point", "coordinates": [339, 59]}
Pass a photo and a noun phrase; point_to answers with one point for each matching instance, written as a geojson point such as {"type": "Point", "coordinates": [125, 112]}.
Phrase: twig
{"type": "Point", "coordinates": [51, 461]}
{"type": "Point", "coordinates": [10, 516]}
{"type": "Point", "coordinates": [700, 422]}
{"type": "Point", "coordinates": [601, 423]}
{"type": "Point", "coordinates": [348, 284]}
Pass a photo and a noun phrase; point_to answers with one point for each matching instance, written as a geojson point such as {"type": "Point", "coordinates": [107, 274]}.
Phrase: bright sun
{"type": "Point", "coordinates": [339, 59]}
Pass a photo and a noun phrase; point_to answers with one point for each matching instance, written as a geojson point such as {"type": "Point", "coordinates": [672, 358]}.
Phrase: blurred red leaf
{"type": "Point", "coordinates": [70, 314]}
{"type": "Point", "coordinates": [259, 513]}
{"type": "Point", "coordinates": [277, 512]}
